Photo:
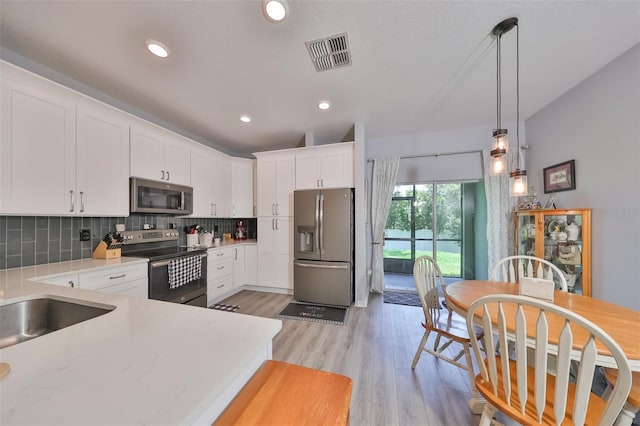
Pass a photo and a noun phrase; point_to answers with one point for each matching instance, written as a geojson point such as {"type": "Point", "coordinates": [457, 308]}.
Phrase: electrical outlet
{"type": "Point", "coordinates": [85, 235]}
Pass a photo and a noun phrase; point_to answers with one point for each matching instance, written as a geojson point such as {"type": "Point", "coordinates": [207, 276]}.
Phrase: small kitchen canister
{"type": "Point", "coordinates": [192, 240]}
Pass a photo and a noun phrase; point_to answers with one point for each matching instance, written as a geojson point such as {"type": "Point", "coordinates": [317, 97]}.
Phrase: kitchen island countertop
{"type": "Point", "coordinates": [146, 362]}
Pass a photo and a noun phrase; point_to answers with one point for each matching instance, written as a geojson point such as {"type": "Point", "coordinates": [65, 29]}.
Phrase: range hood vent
{"type": "Point", "coordinates": [330, 52]}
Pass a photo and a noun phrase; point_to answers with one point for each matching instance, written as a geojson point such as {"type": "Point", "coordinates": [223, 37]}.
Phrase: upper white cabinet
{"type": "Point", "coordinates": [242, 187]}
{"type": "Point", "coordinates": [276, 182]}
{"type": "Point", "coordinates": [73, 162]}
{"type": "Point", "coordinates": [102, 169]}
{"type": "Point", "coordinates": [210, 176]}
{"type": "Point", "coordinates": [158, 154]}
{"type": "Point", "coordinates": [325, 166]}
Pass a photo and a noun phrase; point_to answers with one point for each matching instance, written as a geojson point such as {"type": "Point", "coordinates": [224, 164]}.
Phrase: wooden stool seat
{"type": "Point", "coordinates": [287, 394]}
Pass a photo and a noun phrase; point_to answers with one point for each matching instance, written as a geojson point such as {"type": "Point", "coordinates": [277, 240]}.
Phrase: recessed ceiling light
{"type": "Point", "coordinates": [324, 105]}
{"type": "Point", "coordinates": [157, 48]}
{"type": "Point", "coordinates": [245, 118]}
{"type": "Point", "coordinates": [275, 10]}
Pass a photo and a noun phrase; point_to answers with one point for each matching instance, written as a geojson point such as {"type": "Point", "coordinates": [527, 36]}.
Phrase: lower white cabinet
{"type": "Point", "coordinates": [219, 272]}
{"type": "Point", "coordinates": [251, 264]}
{"type": "Point", "coordinates": [64, 281]}
{"type": "Point", "coordinates": [130, 280]}
{"type": "Point", "coordinates": [275, 251]}
{"type": "Point", "coordinates": [238, 266]}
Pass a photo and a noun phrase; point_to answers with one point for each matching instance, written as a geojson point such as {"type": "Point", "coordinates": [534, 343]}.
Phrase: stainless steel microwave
{"type": "Point", "coordinates": [149, 196]}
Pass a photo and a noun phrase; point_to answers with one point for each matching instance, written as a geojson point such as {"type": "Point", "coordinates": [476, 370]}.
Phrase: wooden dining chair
{"type": "Point", "coordinates": [530, 395]}
{"type": "Point", "coordinates": [512, 268]}
{"type": "Point", "coordinates": [632, 406]}
{"type": "Point", "coordinates": [447, 326]}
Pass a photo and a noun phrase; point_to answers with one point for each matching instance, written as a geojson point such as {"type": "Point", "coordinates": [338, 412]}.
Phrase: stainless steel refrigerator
{"type": "Point", "coordinates": [323, 246]}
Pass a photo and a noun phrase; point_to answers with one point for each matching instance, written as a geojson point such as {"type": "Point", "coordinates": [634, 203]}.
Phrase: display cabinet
{"type": "Point", "coordinates": [562, 237]}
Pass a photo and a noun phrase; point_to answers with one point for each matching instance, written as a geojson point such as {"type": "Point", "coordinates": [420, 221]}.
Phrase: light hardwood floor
{"type": "Point", "coordinates": [375, 348]}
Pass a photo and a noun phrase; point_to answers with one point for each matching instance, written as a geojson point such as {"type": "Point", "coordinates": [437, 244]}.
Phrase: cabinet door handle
{"type": "Point", "coordinates": [168, 178]}
{"type": "Point", "coordinates": [277, 227]}
{"type": "Point", "coordinates": [277, 213]}
{"type": "Point", "coordinates": [233, 210]}
{"type": "Point", "coordinates": [73, 200]}
{"type": "Point", "coordinates": [221, 285]}
{"type": "Point", "coordinates": [115, 277]}
{"type": "Point", "coordinates": [211, 204]}
{"type": "Point", "coordinates": [219, 254]}
{"type": "Point", "coordinates": [317, 183]}
{"type": "Point", "coordinates": [71, 284]}
{"type": "Point", "coordinates": [322, 183]}
{"type": "Point", "coordinates": [220, 268]}
{"type": "Point", "coordinates": [162, 175]}
{"type": "Point", "coordinates": [81, 201]}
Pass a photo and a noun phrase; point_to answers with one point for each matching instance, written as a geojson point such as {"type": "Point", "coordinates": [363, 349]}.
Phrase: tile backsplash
{"type": "Point", "coordinates": [36, 240]}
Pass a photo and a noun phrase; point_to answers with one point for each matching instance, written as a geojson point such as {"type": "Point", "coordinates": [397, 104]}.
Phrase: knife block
{"type": "Point", "coordinates": [103, 252]}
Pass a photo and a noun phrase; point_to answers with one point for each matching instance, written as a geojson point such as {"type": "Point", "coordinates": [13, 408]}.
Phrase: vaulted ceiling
{"type": "Point", "coordinates": [417, 65]}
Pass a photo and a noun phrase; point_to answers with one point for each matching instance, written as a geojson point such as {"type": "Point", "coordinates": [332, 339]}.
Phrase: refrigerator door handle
{"type": "Point", "coordinates": [321, 224]}
{"type": "Point", "coordinates": [308, 265]}
{"type": "Point", "coordinates": [316, 240]}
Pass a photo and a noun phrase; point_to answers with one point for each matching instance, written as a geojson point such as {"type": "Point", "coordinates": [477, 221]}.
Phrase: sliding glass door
{"type": "Point", "coordinates": [425, 219]}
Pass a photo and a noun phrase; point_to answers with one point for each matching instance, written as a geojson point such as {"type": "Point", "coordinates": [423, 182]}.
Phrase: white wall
{"type": "Point", "coordinates": [597, 123]}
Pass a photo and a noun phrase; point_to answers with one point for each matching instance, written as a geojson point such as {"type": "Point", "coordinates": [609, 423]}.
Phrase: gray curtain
{"type": "Point", "coordinates": [385, 172]}
{"type": "Point", "coordinates": [500, 205]}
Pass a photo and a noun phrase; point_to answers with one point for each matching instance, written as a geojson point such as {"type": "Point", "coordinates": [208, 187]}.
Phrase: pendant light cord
{"type": "Point", "coordinates": [498, 86]}
{"type": "Point", "coordinates": [518, 91]}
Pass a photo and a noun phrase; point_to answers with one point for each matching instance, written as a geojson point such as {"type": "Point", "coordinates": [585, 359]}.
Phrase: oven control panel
{"type": "Point", "coordinates": [150, 235]}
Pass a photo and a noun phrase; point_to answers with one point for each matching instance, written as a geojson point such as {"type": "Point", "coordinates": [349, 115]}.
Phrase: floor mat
{"type": "Point", "coordinates": [223, 307]}
{"type": "Point", "coordinates": [401, 298]}
{"type": "Point", "coordinates": [314, 312]}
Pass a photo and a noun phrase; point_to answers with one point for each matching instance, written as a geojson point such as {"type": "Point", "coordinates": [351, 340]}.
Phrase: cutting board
{"type": "Point", "coordinates": [4, 369]}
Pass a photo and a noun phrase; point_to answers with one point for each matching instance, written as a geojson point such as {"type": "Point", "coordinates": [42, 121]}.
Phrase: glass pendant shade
{"type": "Point", "coordinates": [518, 183]}
{"type": "Point", "coordinates": [500, 143]}
{"type": "Point", "coordinates": [498, 165]}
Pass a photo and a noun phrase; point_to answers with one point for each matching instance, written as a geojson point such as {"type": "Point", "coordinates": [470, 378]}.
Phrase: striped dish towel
{"type": "Point", "coordinates": [184, 270]}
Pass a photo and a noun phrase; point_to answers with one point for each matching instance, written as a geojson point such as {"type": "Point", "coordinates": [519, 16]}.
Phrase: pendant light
{"type": "Point", "coordinates": [500, 143]}
{"type": "Point", "coordinates": [518, 178]}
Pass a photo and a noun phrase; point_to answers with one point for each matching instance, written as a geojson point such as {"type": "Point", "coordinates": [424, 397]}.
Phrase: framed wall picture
{"type": "Point", "coordinates": [560, 177]}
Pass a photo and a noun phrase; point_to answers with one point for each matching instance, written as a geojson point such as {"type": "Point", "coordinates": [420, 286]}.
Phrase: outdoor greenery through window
{"type": "Point", "coordinates": [425, 219]}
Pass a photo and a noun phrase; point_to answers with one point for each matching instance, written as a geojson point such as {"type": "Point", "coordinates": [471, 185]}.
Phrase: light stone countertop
{"type": "Point", "coordinates": [146, 362]}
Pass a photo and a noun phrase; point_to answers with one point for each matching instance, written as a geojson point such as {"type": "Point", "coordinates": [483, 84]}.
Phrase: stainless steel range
{"type": "Point", "coordinates": [176, 274]}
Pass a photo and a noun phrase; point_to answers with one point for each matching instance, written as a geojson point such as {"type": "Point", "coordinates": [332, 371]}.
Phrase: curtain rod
{"type": "Point", "coordinates": [435, 154]}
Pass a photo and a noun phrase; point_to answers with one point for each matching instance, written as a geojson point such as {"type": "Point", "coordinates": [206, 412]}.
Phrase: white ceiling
{"type": "Point", "coordinates": [417, 65]}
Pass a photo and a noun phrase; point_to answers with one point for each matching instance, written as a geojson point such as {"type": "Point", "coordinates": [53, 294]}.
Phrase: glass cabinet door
{"type": "Point", "coordinates": [563, 238]}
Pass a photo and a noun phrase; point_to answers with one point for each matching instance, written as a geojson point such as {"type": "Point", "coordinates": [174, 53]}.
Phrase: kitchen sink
{"type": "Point", "coordinates": [27, 319]}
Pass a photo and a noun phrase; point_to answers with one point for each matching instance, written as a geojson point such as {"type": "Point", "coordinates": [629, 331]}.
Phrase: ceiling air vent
{"type": "Point", "coordinates": [330, 52]}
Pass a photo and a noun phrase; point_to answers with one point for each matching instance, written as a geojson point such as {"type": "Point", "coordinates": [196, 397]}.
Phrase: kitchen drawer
{"type": "Point", "coordinates": [217, 254]}
{"type": "Point", "coordinates": [105, 278]}
{"type": "Point", "coordinates": [137, 288]}
{"type": "Point", "coordinates": [217, 269]}
{"type": "Point", "coordinates": [218, 287]}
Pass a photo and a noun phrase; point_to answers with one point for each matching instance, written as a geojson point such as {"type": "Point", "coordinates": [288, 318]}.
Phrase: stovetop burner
{"type": "Point", "coordinates": [155, 244]}
{"type": "Point", "coordinates": [164, 252]}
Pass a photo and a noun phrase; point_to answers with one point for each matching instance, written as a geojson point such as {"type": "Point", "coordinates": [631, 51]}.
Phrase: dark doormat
{"type": "Point", "coordinates": [315, 312]}
{"type": "Point", "coordinates": [223, 307]}
{"type": "Point", "coordinates": [401, 298]}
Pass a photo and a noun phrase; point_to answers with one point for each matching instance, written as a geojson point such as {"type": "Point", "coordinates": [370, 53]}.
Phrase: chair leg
{"type": "Point", "coordinates": [626, 416]}
{"type": "Point", "coordinates": [487, 415]}
{"type": "Point", "coordinates": [419, 351]}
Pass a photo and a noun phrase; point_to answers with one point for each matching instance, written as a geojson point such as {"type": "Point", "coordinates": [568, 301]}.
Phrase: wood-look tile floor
{"type": "Point", "coordinates": [375, 349]}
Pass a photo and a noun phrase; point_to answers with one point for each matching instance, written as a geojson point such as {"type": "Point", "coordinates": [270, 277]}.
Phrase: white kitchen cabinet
{"type": "Point", "coordinates": [130, 280]}
{"type": "Point", "coordinates": [242, 187]}
{"type": "Point", "coordinates": [210, 176]}
{"type": "Point", "coordinates": [102, 160]}
{"type": "Point", "coordinates": [219, 273]}
{"type": "Point", "coordinates": [275, 250]}
{"type": "Point", "coordinates": [159, 155]}
{"type": "Point", "coordinates": [71, 280]}
{"type": "Point", "coordinates": [61, 153]}
{"type": "Point", "coordinates": [276, 182]}
{"type": "Point", "coordinates": [251, 264]}
{"type": "Point", "coordinates": [325, 166]}
{"type": "Point", "coordinates": [238, 266]}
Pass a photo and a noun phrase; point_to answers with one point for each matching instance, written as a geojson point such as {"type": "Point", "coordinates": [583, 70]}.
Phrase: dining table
{"type": "Point", "coordinates": [621, 323]}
